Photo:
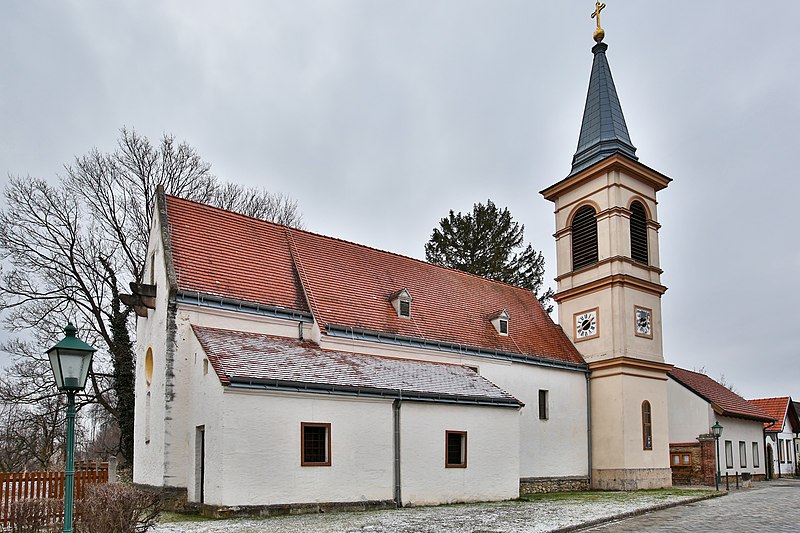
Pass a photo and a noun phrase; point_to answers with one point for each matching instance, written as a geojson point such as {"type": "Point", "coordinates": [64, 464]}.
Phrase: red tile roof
{"type": "Point", "coordinates": [221, 253]}
{"type": "Point", "coordinates": [257, 359]}
{"type": "Point", "coordinates": [350, 285]}
{"type": "Point", "coordinates": [776, 407]}
{"type": "Point", "coordinates": [722, 400]}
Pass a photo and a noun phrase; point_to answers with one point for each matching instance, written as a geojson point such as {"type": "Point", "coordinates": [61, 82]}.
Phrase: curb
{"type": "Point", "coordinates": [630, 514]}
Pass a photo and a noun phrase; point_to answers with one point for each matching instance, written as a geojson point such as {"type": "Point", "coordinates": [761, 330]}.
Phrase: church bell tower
{"type": "Point", "coordinates": [609, 288]}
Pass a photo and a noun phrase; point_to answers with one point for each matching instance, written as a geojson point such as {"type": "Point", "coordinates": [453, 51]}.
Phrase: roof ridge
{"type": "Point", "coordinates": [339, 239]}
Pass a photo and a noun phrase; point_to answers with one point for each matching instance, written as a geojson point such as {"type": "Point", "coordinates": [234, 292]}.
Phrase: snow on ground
{"type": "Point", "coordinates": [545, 514]}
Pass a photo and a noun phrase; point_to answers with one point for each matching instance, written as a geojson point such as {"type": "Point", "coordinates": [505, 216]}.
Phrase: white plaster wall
{"type": "Point", "coordinates": [557, 447]}
{"type": "Point", "coordinates": [149, 458]}
{"type": "Point", "coordinates": [256, 458]}
{"type": "Point", "coordinates": [492, 471]}
{"type": "Point", "coordinates": [736, 430]}
{"type": "Point", "coordinates": [785, 467]}
{"type": "Point", "coordinates": [689, 414]}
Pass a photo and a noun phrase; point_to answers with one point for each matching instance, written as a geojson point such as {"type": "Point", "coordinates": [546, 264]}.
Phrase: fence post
{"type": "Point", "coordinates": [112, 469]}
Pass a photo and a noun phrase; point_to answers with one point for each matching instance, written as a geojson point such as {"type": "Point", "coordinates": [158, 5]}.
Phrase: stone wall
{"type": "Point", "coordinates": [540, 485]}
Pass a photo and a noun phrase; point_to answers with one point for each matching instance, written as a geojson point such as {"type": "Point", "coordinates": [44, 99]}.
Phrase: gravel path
{"type": "Point", "coordinates": [507, 517]}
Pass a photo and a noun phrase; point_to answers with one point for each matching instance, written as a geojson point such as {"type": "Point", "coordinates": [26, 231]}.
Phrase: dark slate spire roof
{"type": "Point", "coordinates": [603, 131]}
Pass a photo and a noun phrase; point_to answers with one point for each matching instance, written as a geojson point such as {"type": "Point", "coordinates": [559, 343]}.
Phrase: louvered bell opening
{"type": "Point", "coordinates": [639, 234]}
{"type": "Point", "coordinates": [584, 238]}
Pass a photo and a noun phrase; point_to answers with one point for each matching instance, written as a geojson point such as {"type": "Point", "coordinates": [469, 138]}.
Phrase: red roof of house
{"type": "Point", "coordinates": [254, 359]}
{"type": "Point", "coordinates": [722, 399]}
{"type": "Point", "coordinates": [776, 407]}
{"type": "Point", "coordinates": [349, 285]}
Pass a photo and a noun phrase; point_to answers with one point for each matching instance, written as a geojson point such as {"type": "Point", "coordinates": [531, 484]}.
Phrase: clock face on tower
{"type": "Point", "coordinates": [643, 318]}
{"type": "Point", "coordinates": [586, 323]}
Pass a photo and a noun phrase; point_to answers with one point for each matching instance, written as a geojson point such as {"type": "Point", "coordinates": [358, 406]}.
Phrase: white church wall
{"type": "Point", "coordinates": [492, 471]}
{"type": "Point", "coordinates": [257, 461]}
{"type": "Point", "coordinates": [150, 453]}
{"type": "Point", "coordinates": [689, 414]}
{"type": "Point", "coordinates": [240, 321]}
{"type": "Point", "coordinates": [567, 422]}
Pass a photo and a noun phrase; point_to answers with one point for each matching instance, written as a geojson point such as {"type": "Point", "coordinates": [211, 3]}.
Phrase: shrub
{"type": "Point", "coordinates": [117, 508]}
{"type": "Point", "coordinates": [37, 515]}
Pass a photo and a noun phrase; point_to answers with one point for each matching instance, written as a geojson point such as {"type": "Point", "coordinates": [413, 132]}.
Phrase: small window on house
{"type": "Point", "coordinates": [742, 454]}
{"type": "Point", "coordinates": [500, 322]}
{"type": "Point", "coordinates": [788, 451]}
{"type": "Point", "coordinates": [401, 301]}
{"type": "Point", "coordinates": [205, 366]}
{"type": "Point", "coordinates": [148, 366]}
{"type": "Point", "coordinates": [315, 444]}
{"type": "Point", "coordinates": [728, 454]}
{"type": "Point", "coordinates": [755, 455]}
{"type": "Point", "coordinates": [584, 238]}
{"type": "Point", "coordinates": [681, 459]}
{"type": "Point", "coordinates": [780, 451]}
{"type": "Point", "coordinates": [544, 407]}
{"type": "Point", "coordinates": [647, 426]}
{"type": "Point", "coordinates": [639, 233]}
{"type": "Point", "coordinates": [455, 449]}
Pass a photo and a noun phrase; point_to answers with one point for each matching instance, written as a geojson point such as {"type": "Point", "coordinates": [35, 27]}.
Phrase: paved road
{"type": "Point", "coordinates": [772, 506]}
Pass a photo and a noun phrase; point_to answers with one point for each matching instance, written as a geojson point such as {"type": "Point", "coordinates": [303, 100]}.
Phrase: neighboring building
{"type": "Point", "coordinates": [697, 402]}
{"type": "Point", "coordinates": [780, 435]}
{"type": "Point", "coordinates": [286, 370]}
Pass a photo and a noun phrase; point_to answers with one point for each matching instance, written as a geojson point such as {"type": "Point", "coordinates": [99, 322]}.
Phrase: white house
{"type": "Point", "coordinates": [781, 435]}
{"type": "Point", "coordinates": [696, 403]}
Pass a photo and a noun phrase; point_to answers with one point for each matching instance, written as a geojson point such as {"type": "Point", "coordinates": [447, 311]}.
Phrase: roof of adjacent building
{"type": "Point", "coordinates": [778, 409]}
{"type": "Point", "coordinates": [349, 286]}
{"type": "Point", "coordinates": [603, 130]}
{"type": "Point", "coordinates": [723, 400]}
{"type": "Point", "coordinates": [264, 361]}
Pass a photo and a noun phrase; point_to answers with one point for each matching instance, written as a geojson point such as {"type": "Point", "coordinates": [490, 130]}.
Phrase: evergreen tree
{"type": "Point", "coordinates": [489, 243]}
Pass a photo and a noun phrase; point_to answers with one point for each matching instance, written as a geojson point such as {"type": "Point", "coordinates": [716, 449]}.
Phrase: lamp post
{"type": "Point", "coordinates": [716, 430]}
{"type": "Point", "coordinates": [70, 360]}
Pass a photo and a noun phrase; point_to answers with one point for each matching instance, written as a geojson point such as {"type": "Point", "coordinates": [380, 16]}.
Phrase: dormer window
{"type": "Point", "coordinates": [500, 322]}
{"type": "Point", "coordinates": [401, 301]}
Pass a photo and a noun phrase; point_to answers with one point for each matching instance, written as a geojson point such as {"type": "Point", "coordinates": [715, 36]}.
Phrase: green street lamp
{"type": "Point", "coordinates": [71, 360]}
{"type": "Point", "coordinates": [716, 430]}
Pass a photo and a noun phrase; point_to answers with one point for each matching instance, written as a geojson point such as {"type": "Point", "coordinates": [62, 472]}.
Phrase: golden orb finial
{"type": "Point", "coordinates": [599, 33]}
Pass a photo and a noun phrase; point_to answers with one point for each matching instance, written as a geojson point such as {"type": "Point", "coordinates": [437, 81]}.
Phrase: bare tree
{"type": "Point", "coordinates": [71, 249]}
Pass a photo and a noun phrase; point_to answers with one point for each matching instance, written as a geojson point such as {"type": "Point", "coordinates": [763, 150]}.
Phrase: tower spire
{"type": "Point", "coordinates": [603, 131]}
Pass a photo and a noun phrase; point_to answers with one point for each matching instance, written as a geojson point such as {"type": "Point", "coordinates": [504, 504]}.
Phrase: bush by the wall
{"type": "Point", "coordinates": [117, 508]}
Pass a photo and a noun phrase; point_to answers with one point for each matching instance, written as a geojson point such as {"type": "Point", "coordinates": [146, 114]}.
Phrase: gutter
{"type": "Point", "coordinates": [231, 304]}
{"type": "Point", "coordinates": [402, 340]}
{"type": "Point", "coordinates": [370, 392]}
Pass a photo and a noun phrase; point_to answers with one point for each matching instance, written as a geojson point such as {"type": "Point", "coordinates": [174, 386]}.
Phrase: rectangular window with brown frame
{"type": "Point", "coordinates": [315, 444]}
{"type": "Point", "coordinates": [728, 454]}
{"type": "Point", "coordinates": [455, 449]}
{"type": "Point", "coordinates": [544, 407]}
{"type": "Point", "coordinates": [681, 459]}
{"type": "Point", "coordinates": [742, 454]}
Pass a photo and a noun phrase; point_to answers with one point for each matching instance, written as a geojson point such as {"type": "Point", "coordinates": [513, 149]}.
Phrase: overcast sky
{"type": "Point", "coordinates": [378, 117]}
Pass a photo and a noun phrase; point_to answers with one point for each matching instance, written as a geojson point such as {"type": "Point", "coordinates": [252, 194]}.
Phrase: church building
{"type": "Point", "coordinates": [280, 370]}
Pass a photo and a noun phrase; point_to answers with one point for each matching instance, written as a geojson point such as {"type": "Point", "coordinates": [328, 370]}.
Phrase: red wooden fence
{"type": "Point", "coordinates": [18, 486]}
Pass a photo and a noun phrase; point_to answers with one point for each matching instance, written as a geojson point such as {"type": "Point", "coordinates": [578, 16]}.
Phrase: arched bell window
{"type": "Point", "coordinates": [584, 238]}
{"type": "Point", "coordinates": [639, 233]}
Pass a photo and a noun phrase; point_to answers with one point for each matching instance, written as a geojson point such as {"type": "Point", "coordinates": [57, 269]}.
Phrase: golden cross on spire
{"type": "Point", "coordinates": [599, 33]}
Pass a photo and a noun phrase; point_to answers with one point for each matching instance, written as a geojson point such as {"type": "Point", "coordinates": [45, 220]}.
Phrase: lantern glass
{"type": "Point", "coordinates": [716, 430]}
{"type": "Point", "coordinates": [71, 360]}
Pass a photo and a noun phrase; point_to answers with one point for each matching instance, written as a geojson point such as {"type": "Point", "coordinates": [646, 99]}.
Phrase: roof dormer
{"type": "Point", "coordinates": [401, 301]}
{"type": "Point", "coordinates": [500, 322]}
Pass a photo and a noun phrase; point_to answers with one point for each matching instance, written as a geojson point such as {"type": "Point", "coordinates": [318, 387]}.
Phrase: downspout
{"type": "Point", "coordinates": [396, 419]}
{"type": "Point", "coordinates": [589, 427]}
{"type": "Point", "coordinates": [767, 465]}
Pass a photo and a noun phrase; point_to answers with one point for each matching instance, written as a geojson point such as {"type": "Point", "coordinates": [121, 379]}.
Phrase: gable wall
{"type": "Point", "coordinates": [689, 414]}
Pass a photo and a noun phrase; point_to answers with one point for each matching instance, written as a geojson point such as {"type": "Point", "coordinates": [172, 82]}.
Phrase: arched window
{"type": "Point", "coordinates": [647, 426]}
{"type": "Point", "coordinates": [584, 238]}
{"type": "Point", "coordinates": [639, 233]}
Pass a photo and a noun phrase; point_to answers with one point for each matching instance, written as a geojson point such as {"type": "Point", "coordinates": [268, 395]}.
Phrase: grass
{"type": "Point", "coordinates": [167, 516]}
{"type": "Point", "coordinates": [615, 496]}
